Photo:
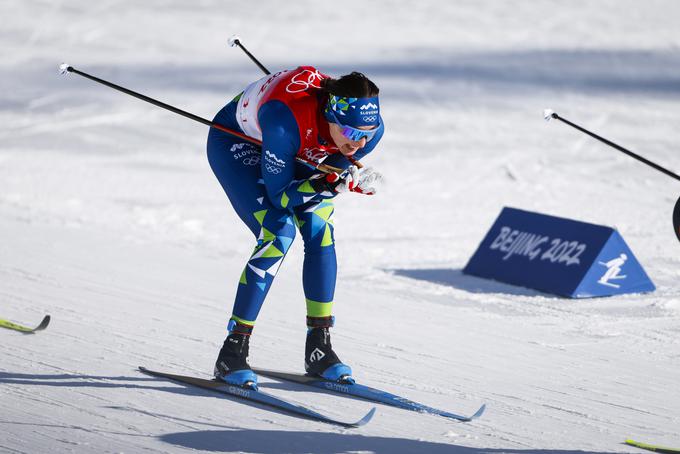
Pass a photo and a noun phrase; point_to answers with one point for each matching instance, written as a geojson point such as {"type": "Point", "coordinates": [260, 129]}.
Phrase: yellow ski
{"type": "Point", "coordinates": [24, 329]}
{"type": "Point", "coordinates": [655, 448]}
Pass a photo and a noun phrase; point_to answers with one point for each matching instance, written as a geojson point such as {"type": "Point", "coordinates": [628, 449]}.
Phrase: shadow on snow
{"type": "Point", "coordinates": [229, 439]}
{"type": "Point", "coordinates": [455, 278]}
{"type": "Point", "coordinates": [142, 383]}
{"type": "Point", "coordinates": [290, 442]}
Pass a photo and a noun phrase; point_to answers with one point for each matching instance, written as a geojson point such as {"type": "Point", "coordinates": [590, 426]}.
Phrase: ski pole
{"type": "Point", "coordinates": [676, 218]}
{"type": "Point", "coordinates": [235, 40]}
{"type": "Point", "coordinates": [65, 68]}
{"type": "Point", "coordinates": [549, 114]}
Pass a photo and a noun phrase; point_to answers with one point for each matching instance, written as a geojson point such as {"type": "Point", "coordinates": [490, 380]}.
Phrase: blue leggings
{"type": "Point", "coordinates": [236, 164]}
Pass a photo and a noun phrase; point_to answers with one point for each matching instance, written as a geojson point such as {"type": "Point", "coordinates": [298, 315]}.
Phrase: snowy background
{"type": "Point", "coordinates": [112, 222]}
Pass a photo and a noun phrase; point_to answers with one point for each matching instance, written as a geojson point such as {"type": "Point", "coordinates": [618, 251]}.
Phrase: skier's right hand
{"type": "Point", "coordinates": [336, 183]}
{"type": "Point", "coordinates": [367, 181]}
{"type": "Point", "coordinates": [349, 181]}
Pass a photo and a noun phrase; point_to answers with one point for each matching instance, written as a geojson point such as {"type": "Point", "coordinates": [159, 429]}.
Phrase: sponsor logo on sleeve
{"type": "Point", "coordinates": [273, 164]}
{"type": "Point", "coordinates": [247, 153]}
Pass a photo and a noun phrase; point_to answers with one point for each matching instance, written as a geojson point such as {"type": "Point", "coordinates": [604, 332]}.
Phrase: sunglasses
{"type": "Point", "coordinates": [354, 134]}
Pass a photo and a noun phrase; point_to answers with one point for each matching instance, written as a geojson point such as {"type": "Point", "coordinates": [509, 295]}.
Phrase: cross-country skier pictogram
{"type": "Point", "coordinates": [613, 270]}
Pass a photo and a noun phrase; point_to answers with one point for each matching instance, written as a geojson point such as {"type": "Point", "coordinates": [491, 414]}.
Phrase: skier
{"type": "Point", "coordinates": [299, 115]}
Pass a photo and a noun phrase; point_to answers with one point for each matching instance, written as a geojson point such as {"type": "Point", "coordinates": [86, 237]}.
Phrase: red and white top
{"type": "Point", "coordinates": [297, 89]}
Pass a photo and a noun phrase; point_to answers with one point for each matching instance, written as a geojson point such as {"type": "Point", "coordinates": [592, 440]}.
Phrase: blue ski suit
{"type": "Point", "coordinates": [270, 190]}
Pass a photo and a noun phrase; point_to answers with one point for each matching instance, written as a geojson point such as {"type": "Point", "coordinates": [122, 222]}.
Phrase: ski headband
{"type": "Point", "coordinates": [353, 112]}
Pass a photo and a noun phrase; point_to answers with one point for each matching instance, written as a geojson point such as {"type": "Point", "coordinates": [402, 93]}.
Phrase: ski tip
{"type": "Point", "coordinates": [476, 415]}
{"type": "Point", "coordinates": [655, 448]}
{"type": "Point", "coordinates": [147, 371]}
{"type": "Point", "coordinates": [365, 420]}
{"type": "Point", "coordinates": [479, 412]}
{"type": "Point", "coordinates": [44, 323]}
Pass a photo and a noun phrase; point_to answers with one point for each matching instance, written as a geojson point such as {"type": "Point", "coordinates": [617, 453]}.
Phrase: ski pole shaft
{"type": "Point", "coordinates": [67, 68]}
{"type": "Point", "coordinates": [64, 68]}
{"type": "Point", "coordinates": [550, 114]}
{"type": "Point", "coordinates": [236, 41]}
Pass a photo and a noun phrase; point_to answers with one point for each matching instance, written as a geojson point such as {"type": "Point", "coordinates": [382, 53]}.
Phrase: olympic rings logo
{"type": "Point", "coordinates": [272, 169]}
{"type": "Point", "coordinates": [251, 160]}
{"type": "Point", "coordinates": [298, 83]}
{"type": "Point", "coordinates": [369, 119]}
{"type": "Point", "coordinates": [314, 154]}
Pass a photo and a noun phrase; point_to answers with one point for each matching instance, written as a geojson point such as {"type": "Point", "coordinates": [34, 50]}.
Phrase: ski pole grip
{"type": "Point", "coordinates": [234, 40]}
{"type": "Point", "coordinates": [549, 114]}
{"type": "Point", "coordinates": [64, 68]}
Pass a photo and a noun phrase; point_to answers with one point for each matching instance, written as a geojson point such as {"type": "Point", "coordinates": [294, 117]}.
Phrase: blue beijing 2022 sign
{"type": "Point", "coordinates": [557, 255]}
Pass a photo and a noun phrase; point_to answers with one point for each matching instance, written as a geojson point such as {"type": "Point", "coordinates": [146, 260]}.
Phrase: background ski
{"type": "Point", "coordinates": [365, 392]}
{"type": "Point", "coordinates": [257, 396]}
{"type": "Point", "coordinates": [24, 329]}
{"type": "Point", "coordinates": [655, 448]}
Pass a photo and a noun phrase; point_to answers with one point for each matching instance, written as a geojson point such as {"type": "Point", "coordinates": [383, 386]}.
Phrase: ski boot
{"type": "Point", "coordinates": [320, 359]}
{"type": "Point", "coordinates": [232, 362]}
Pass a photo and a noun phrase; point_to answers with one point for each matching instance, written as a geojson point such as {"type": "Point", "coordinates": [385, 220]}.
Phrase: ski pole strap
{"type": "Point", "coordinates": [239, 328]}
{"type": "Point", "coordinates": [320, 322]}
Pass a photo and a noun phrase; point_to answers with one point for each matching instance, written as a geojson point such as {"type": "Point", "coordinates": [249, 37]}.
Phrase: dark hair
{"type": "Point", "coordinates": [353, 85]}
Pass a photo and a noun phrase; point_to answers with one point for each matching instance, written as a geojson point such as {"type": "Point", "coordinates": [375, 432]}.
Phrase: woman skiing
{"type": "Point", "coordinates": [302, 117]}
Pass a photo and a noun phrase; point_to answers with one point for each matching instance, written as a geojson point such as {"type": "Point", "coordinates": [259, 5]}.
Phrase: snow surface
{"type": "Point", "coordinates": [112, 222]}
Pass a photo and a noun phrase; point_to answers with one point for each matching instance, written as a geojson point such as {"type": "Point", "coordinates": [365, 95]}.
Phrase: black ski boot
{"type": "Point", "coordinates": [232, 362]}
{"type": "Point", "coordinates": [320, 359]}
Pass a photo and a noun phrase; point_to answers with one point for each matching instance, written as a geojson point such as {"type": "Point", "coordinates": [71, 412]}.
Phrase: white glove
{"type": "Point", "coordinates": [349, 181]}
{"type": "Point", "coordinates": [367, 181]}
{"type": "Point", "coordinates": [364, 181]}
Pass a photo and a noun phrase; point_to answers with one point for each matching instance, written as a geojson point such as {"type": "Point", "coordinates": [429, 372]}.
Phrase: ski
{"type": "Point", "coordinates": [254, 395]}
{"type": "Point", "coordinates": [25, 329]}
{"type": "Point", "coordinates": [364, 392]}
{"type": "Point", "coordinates": [655, 448]}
